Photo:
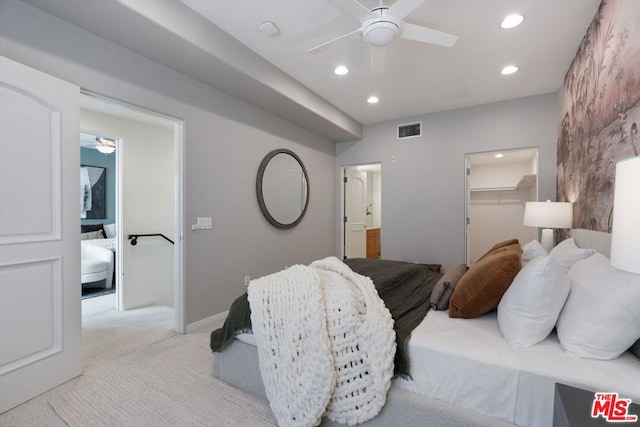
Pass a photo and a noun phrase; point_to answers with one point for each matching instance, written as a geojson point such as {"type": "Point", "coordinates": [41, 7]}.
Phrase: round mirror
{"type": "Point", "coordinates": [282, 187]}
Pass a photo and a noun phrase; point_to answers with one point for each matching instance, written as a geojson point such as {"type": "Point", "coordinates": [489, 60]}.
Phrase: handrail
{"type": "Point", "coordinates": [134, 237]}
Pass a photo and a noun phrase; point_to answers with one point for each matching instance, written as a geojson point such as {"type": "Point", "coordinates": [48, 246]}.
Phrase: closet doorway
{"type": "Point", "coordinates": [148, 202]}
{"type": "Point", "coordinates": [362, 208]}
{"type": "Point", "coordinates": [498, 184]}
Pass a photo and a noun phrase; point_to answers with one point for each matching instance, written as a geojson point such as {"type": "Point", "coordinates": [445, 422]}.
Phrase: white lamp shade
{"type": "Point", "coordinates": [625, 238]}
{"type": "Point", "coordinates": [548, 214]}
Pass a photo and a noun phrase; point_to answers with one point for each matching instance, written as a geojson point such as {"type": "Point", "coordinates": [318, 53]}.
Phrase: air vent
{"type": "Point", "coordinates": [410, 130]}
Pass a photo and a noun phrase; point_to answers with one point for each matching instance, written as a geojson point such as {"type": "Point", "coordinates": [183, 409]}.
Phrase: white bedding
{"type": "Point", "coordinates": [105, 243]}
{"type": "Point", "coordinates": [467, 362]}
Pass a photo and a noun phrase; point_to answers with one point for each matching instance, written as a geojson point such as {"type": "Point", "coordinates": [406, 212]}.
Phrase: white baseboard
{"type": "Point", "coordinates": [216, 318]}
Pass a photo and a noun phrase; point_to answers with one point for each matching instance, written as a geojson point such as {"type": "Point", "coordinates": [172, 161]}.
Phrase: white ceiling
{"type": "Point", "coordinates": [116, 109]}
{"type": "Point", "coordinates": [219, 45]}
{"type": "Point", "coordinates": [418, 78]}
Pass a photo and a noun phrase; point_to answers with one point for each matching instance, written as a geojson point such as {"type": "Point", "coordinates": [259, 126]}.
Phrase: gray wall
{"type": "Point", "coordinates": [423, 192]}
{"type": "Point", "coordinates": [225, 140]}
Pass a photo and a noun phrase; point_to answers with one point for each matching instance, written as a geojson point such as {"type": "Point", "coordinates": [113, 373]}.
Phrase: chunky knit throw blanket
{"type": "Point", "coordinates": [325, 342]}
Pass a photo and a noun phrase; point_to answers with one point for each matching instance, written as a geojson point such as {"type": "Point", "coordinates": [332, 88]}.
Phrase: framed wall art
{"type": "Point", "coordinates": [93, 186]}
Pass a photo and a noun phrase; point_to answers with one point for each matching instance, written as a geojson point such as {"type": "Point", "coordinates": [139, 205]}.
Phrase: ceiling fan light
{"type": "Point", "coordinates": [380, 33]}
{"type": "Point", "coordinates": [105, 149]}
{"type": "Point", "coordinates": [105, 145]}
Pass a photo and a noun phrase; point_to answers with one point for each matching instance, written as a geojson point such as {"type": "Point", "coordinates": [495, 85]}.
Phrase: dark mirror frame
{"type": "Point", "coordinates": [263, 206]}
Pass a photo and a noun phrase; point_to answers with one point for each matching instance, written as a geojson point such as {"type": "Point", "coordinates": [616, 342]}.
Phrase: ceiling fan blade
{"type": "Point", "coordinates": [343, 38]}
{"type": "Point", "coordinates": [378, 58]}
{"type": "Point", "coordinates": [427, 35]}
{"type": "Point", "coordinates": [403, 8]}
{"type": "Point", "coordinates": [354, 7]}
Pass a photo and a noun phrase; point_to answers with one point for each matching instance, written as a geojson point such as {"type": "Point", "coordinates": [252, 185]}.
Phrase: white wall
{"type": "Point", "coordinates": [148, 161]}
{"type": "Point", "coordinates": [225, 140]}
{"type": "Point", "coordinates": [497, 215]}
{"type": "Point", "coordinates": [423, 191]}
{"type": "Point", "coordinates": [498, 175]}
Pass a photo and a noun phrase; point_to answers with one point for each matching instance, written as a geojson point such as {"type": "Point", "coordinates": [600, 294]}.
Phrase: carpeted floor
{"type": "Point", "coordinates": [167, 390]}
{"type": "Point", "coordinates": [139, 372]}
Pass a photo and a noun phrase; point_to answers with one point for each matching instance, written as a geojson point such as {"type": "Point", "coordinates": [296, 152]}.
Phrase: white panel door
{"type": "Point", "coordinates": [40, 320]}
{"type": "Point", "coordinates": [355, 210]}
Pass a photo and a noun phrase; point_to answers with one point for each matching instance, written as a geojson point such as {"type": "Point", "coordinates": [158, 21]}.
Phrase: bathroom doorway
{"type": "Point", "coordinates": [362, 211]}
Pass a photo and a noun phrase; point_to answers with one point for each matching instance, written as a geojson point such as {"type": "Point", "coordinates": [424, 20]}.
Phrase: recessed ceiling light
{"type": "Point", "coordinates": [341, 70]}
{"type": "Point", "coordinates": [373, 99]}
{"type": "Point", "coordinates": [512, 21]}
{"type": "Point", "coordinates": [509, 69]}
{"type": "Point", "coordinates": [499, 155]}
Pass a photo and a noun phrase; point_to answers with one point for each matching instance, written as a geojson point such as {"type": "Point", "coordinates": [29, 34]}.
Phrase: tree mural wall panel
{"type": "Point", "coordinates": [600, 113]}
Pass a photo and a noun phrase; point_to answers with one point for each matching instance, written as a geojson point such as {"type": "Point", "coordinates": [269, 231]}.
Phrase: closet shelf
{"type": "Point", "coordinates": [525, 183]}
{"type": "Point", "coordinates": [493, 189]}
{"type": "Point", "coordinates": [507, 194]}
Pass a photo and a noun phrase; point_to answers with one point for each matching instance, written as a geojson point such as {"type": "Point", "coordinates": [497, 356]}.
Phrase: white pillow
{"type": "Point", "coordinates": [567, 253]}
{"type": "Point", "coordinates": [109, 230]}
{"type": "Point", "coordinates": [529, 309]}
{"type": "Point", "coordinates": [532, 250]}
{"type": "Point", "coordinates": [601, 319]}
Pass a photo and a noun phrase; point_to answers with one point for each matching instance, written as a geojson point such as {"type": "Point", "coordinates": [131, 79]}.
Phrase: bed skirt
{"type": "Point", "coordinates": [238, 366]}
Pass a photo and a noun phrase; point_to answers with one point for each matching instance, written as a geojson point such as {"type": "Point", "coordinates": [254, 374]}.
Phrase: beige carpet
{"type": "Point", "coordinates": [166, 390]}
{"type": "Point", "coordinates": [108, 335]}
{"type": "Point", "coordinates": [138, 371]}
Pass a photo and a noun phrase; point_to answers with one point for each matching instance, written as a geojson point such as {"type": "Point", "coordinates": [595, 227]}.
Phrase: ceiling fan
{"type": "Point", "coordinates": [102, 144]}
{"type": "Point", "coordinates": [383, 24]}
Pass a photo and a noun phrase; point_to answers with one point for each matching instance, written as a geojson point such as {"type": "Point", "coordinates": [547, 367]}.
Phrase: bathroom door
{"type": "Point", "coordinates": [355, 212]}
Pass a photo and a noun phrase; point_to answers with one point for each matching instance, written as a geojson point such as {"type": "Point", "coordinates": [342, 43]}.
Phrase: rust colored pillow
{"type": "Point", "coordinates": [480, 289]}
{"type": "Point", "coordinates": [501, 245]}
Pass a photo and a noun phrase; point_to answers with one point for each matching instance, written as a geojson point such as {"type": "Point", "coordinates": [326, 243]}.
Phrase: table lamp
{"type": "Point", "coordinates": [625, 236]}
{"type": "Point", "coordinates": [548, 215]}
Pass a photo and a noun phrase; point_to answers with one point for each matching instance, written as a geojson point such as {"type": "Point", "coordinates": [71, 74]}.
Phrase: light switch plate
{"type": "Point", "coordinates": [205, 223]}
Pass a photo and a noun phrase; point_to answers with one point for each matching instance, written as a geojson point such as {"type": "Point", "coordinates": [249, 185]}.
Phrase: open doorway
{"type": "Point", "coordinates": [98, 214]}
{"type": "Point", "coordinates": [148, 198]}
{"type": "Point", "coordinates": [362, 212]}
{"type": "Point", "coordinates": [498, 184]}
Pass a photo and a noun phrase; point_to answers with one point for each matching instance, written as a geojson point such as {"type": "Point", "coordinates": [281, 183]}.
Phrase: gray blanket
{"type": "Point", "coordinates": [404, 287]}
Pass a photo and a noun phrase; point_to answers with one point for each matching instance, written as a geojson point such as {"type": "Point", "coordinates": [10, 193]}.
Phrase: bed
{"type": "Point", "coordinates": [107, 243]}
{"type": "Point", "coordinates": [103, 236]}
{"type": "Point", "coordinates": [464, 373]}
